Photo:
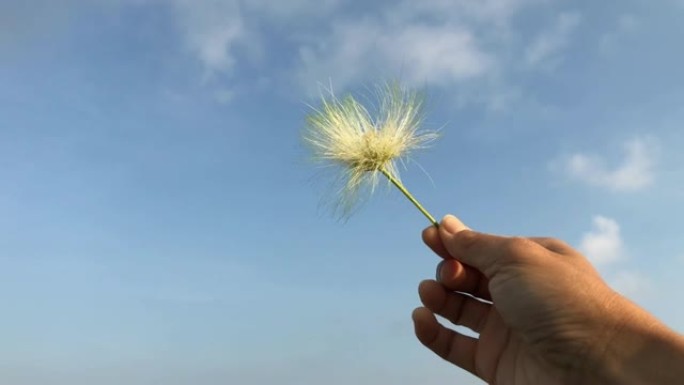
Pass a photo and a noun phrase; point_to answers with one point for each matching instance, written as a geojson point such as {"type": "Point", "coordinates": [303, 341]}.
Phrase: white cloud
{"type": "Point", "coordinates": [635, 172]}
{"type": "Point", "coordinates": [603, 244]}
{"type": "Point", "coordinates": [464, 45]}
{"type": "Point", "coordinates": [470, 48]}
{"type": "Point", "coordinates": [418, 53]}
{"type": "Point", "coordinates": [604, 247]}
{"type": "Point", "coordinates": [546, 49]}
{"type": "Point", "coordinates": [432, 42]}
{"type": "Point", "coordinates": [211, 29]}
{"type": "Point", "coordinates": [214, 29]}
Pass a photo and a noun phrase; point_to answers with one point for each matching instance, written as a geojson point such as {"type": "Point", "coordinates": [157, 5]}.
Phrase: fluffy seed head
{"type": "Point", "coordinates": [343, 133]}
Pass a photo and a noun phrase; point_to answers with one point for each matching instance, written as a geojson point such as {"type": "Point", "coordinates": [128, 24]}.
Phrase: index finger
{"type": "Point", "coordinates": [434, 241]}
{"type": "Point", "coordinates": [462, 278]}
{"type": "Point", "coordinates": [432, 238]}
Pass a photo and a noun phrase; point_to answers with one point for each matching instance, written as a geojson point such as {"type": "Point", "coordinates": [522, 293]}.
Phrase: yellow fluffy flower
{"type": "Point", "coordinates": [344, 133]}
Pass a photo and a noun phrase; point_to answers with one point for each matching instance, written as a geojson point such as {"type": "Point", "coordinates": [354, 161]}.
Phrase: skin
{"type": "Point", "coordinates": [543, 314]}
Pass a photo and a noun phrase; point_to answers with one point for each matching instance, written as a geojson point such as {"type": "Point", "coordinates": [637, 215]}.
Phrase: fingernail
{"type": "Point", "coordinates": [438, 273]}
{"type": "Point", "coordinates": [452, 225]}
{"type": "Point", "coordinates": [446, 271]}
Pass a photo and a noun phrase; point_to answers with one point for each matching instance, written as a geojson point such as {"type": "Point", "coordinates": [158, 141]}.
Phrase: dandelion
{"type": "Point", "coordinates": [343, 133]}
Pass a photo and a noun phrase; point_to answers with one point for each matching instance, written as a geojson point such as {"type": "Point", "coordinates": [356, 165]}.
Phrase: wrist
{"type": "Point", "coordinates": [657, 360]}
{"type": "Point", "coordinates": [642, 351]}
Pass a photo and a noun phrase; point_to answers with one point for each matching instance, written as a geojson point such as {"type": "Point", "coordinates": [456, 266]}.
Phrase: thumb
{"type": "Point", "coordinates": [485, 252]}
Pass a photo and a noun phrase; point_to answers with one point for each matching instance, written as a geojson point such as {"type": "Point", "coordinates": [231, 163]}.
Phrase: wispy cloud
{"type": "Point", "coordinates": [605, 248]}
{"type": "Point", "coordinates": [457, 45]}
{"type": "Point", "coordinates": [419, 53]}
{"type": "Point", "coordinates": [211, 30]}
{"type": "Point", "coordinates": [471, 47]}
{"type": "Point", "coordinates": [220, 32]}
{"type": "Point", "coordinates": [634, 172]}
{"type": "Point", "coordinates": [624, 25]}
{"type": "Point", "coordinates": [603, 244]}
{"type": "Point", "coordinates": [546, 50]}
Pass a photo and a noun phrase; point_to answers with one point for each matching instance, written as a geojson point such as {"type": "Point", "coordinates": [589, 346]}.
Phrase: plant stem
{"type": "Point", "coordinates": [408, 195]}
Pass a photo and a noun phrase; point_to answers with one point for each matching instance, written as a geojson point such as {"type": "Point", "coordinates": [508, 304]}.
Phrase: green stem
{"type": "Point", "coordinates": [408, 195]}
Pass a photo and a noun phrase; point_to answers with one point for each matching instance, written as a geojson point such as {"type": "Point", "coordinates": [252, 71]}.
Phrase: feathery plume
{"type": "Point", "coordinates": [343, 133]}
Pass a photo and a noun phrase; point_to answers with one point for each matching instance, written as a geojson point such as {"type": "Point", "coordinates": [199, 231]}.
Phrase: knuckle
{"type": "Point", "coordinates": [517, 247]}
{"type": "Point", "coordinates": [558, 244]}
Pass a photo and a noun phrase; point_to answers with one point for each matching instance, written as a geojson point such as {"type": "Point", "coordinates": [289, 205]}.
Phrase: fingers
{"type": "Point", "coordinates": [448, 344]}
{"type": "Point", "coordinates": [487, 253]}
{"type": "Point", "coordinates": [459, 309]}
{"type": "Point", "coordinates": [456, 276]}
{"type": "Point", "coordinates": [451, 273]}
{"type": "Point", "coordinates": [432, 239]}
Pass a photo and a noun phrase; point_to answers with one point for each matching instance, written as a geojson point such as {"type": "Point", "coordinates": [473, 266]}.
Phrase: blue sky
{"type": "Point", "coordinates": [161, 222]}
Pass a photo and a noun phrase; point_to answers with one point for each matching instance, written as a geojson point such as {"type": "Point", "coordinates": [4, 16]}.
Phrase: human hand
{"type": "Point", "coordinates": [543, 314]}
